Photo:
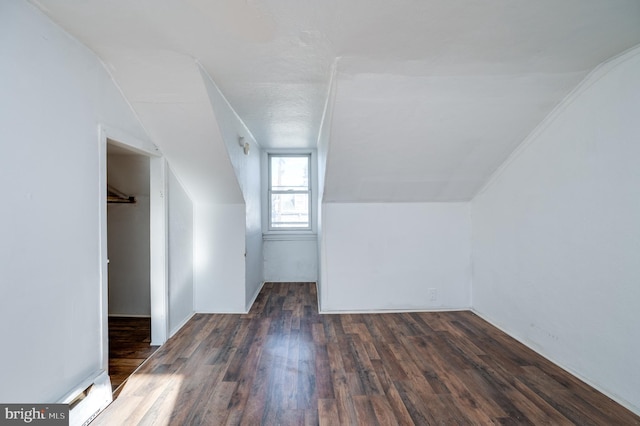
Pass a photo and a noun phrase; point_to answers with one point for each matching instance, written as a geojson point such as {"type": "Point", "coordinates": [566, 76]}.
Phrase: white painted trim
{"type": "Point", "coordinates": [264, 189]}
{"type": "Point", "coordinates": [222, 312]}
{"type": "Point", "coordinates": [290, 236]}
{"type": "Point", "coordinates": [393, 311]}
{"type": "Point", "coordinates": [327, 116]}
{"type": "Point", "coordinates": [158, 235]}
{"type": "Point", "coordinates": [253, 299]}
{"type": "Point", "coordinates": [128, 316]}
{"type": "Point", "coordinates": [182, 324]}
{"type": "Point", "coordinates": [310, 192]}
{"type": "Point", "coordinates": [102, 249]}
{"type": "Point", "coordinates": [569, 370]}
{"type": "Point", "coordinates": [319, 298]}
{"type": "Point", "coordinates": [593, 77]}
{"type": "Point", "coordinates": [472, 259]}
{"type": "Point", "coordinates": [159, 251]}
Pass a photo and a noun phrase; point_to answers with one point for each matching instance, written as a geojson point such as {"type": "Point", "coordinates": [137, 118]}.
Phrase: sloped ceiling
{"type": "Point", "coordinates": [431, 96]}
{"type": "Point", "coordinates": [175, 108]}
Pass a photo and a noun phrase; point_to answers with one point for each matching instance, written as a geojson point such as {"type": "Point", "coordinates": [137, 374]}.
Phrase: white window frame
{"type": "Point", "coordinates": [275, 232]}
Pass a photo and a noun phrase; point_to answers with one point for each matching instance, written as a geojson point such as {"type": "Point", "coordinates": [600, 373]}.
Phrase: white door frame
{"type": "Point", "coordinates": [158, 235]}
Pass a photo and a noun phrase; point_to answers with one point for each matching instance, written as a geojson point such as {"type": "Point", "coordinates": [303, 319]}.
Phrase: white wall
{"type": "Point", "coordinates": [386, 256]}
{"type": "Point", "coordinates": [180, 254]}
{"type": "Point", "coordinates": [128, 237]}
{"type": "Point", "coordinates": [556, 235]}
{"type": "Point", "coordinates": [247, 170]}
{"type": "Point", "coordinates": [291, 259]}
{"type": "Point", "coordinates": [54, 94]}
{"type": "Point", "coordinates": [219, 258]}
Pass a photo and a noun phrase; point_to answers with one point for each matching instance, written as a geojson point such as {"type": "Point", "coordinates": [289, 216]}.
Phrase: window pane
{"type": "Point", "coordinates": [289, 210]}
{"type": "Point", "coordinates": [289, 173]}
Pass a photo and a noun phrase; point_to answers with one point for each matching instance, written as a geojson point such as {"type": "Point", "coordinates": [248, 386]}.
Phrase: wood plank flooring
{"type": "Point", "coordinates": [129, 346]}
{"type": "Point", "coordinates": [284, 364]}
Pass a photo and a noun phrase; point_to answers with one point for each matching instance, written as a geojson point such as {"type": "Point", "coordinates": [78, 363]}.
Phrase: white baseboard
{"type": "Point", "coordinates": [628, 405]}
{"type": "Point", "coordinates": [179, 326]}
{"type": "Point", "coordinates": [255, 296]}
{"type": "Point", "coordinates": [391, 311]}
{"type": "Point", "coordinates": [128, 316]}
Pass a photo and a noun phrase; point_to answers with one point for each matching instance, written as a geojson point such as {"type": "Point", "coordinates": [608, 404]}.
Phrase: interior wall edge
{"type": "Point", "coordinates": [254, 297]}
{"type": "Point", "coordinates": [182, 323]}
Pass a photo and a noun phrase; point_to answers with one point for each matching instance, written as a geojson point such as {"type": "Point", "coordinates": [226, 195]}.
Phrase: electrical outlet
{"type": "Point", "coordinates": [432, 293]}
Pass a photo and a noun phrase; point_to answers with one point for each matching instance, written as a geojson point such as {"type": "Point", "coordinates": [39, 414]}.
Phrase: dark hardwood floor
{"type": "Point", "coordinates": [284, 364]}
{"type": "Point", "coordinates": [129, 346]}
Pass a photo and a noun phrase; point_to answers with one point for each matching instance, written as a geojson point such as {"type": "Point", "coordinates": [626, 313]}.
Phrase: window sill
{"type": "Point", "coordinates": [289, 236]}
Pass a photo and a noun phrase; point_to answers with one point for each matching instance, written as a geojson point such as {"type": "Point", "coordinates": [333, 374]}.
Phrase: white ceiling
{"type": "Point", "coordinates": [431, 96]}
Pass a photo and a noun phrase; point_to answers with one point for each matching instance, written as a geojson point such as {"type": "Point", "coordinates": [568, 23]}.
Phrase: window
{"type": "Point", "coordinates": [289, 192]}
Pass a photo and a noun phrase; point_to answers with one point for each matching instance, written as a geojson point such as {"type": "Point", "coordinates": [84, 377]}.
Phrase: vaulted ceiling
{"type": "Point", "coordinates": [430, 96]}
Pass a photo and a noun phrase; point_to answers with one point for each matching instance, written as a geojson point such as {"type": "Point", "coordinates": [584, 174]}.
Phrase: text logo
{"type": "Point", "coordinates": [34, 414]}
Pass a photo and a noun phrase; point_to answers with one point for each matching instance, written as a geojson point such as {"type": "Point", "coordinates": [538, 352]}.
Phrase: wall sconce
{"type": "Point", "coordinates": [245, 145]}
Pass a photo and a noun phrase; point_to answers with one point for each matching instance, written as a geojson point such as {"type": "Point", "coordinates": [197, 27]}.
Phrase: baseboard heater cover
{"type": "Point", "coordinates": [88, 399]}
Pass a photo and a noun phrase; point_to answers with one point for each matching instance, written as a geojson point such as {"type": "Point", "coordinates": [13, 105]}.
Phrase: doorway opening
{"type": "Point", "coordinates": [153, 173]}
{"type": "Point", "coordinates": [129, 262]}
